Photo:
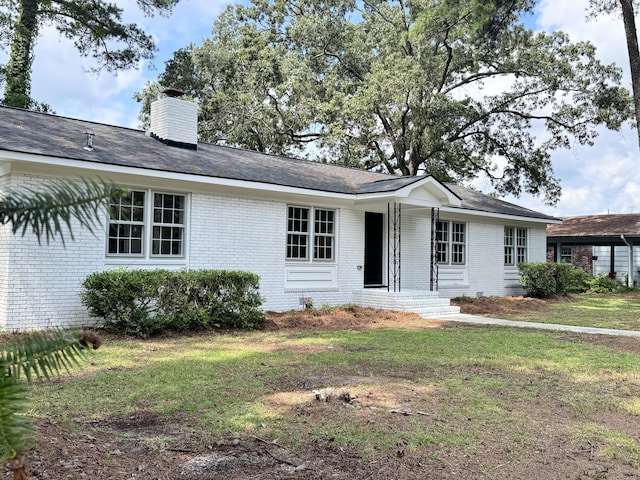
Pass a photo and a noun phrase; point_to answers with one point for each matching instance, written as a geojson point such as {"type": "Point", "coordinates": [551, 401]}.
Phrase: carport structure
{"type": "Point", "coordinates": [618, 230]}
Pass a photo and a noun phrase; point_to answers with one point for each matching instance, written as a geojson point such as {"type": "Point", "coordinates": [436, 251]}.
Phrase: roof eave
{"type": "Point", "coordinates": [523, 218]}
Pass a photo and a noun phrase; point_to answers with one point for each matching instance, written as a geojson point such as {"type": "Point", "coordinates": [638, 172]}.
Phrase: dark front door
{"type": "Point", "coordinates": [373, 248]}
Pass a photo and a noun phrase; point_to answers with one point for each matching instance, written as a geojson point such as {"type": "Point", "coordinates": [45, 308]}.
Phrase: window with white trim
{"type": "Point", "coordinates": [310, 234]}
{"type": "Point", "coordinates": [168, 224]}
{"type": "Point", "coordinates": [131, 218]}
{"type": "Point", "coordinates": [515, 245]}
{"type": "Point", "coordinates": [451, 243]}
{"type": "Point", "coordinates": [126, 225]}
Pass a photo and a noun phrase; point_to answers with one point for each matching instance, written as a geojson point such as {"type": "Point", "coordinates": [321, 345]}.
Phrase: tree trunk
{"type": "Point", "coordinates": [17, 91]}
{"type": "Point", "coordinates": [634, 55]}
{"type": "Point", "coordinates": [19, 466]}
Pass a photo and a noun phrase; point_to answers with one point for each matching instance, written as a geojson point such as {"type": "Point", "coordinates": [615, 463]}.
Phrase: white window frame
{"type": "Point", "coordinates": [516, 245]}
{"type": "Point", "coordinates": [315, 233]}
{"type": "Point", "coordinates": [149, 226]}
{"type": "Point", "coordinates": [128, 222]}
{"type": "Point", "coordinates": [442, 243]}
{"type": "Point", "coordinates": [451, 242]}
{"type": "Point", "coordinates": [172, 226]}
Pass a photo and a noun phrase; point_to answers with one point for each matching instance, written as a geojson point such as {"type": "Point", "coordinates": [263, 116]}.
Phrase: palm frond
{"type": "Point", "coordinates": [16, 431]}
{"type": "Point", "coordinates": [48, 212]}
{"type": "Point", "coordinates": [42, 354]}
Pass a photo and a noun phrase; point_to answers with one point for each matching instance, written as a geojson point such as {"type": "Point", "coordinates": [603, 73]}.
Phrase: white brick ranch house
{"type": "Point", "coordinates": [309, 230]}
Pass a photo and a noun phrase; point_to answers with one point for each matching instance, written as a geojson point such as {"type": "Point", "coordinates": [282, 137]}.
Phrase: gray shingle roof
{"type": "Point", "coordinates": [35, 133]}
{"type": "Point", "coordinates": [474, 200]}
{"type": "Point", "coordinates": [597, 225]}
{"type": "Point", "coordinates": [41, 134]}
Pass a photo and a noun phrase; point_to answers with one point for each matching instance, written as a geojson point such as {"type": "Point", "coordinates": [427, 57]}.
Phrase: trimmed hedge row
{"type": "Point", "coordinates": [147, 302]}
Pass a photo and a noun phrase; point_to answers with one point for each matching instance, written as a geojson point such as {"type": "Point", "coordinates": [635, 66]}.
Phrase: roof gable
{"type": "Point", "coordinates": [428, 191]}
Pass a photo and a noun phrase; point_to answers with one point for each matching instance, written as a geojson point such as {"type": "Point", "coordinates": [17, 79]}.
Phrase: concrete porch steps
{"type": "Point", "coordinates": [423, 303]}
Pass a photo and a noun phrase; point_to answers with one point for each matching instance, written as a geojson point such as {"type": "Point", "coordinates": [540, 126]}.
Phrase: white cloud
{"type": "Point", "coordinates": [602, 178]}
{"type": "Point", "coordinates": [61, 78]}
{"type": "Point", "coordinates": [574, 199]}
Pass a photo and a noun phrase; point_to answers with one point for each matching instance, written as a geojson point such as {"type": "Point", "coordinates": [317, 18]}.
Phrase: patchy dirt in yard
{"type": "Point", "coordinates": [144, 446]}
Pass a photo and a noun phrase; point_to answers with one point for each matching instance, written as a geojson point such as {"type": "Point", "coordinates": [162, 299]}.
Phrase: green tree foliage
{"type": "Point", "coordinates": [442, 86]}
{"type": "Point", "coordinates": [37, 355]}
{"type": "Point", "coordinates": [627, 9]}
{"type": "Point", "coordinates": [95, 26]}
{"type": "Point", "coordinates": [47, 213]}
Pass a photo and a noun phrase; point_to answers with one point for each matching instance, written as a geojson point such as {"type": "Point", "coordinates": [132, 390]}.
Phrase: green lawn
{"type": "Point", "coordinates": [472, 386]}
{"type": "Point", "coordinates": [590, 310]}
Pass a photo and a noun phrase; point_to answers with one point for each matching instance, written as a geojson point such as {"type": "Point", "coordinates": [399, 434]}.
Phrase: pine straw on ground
{"type": "Point", "coordinates": [497, 306]}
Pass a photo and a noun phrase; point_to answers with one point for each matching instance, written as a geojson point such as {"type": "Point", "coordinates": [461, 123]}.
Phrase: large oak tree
{"type": "Point", "coordinates": [447, 87]}
{"type": "Point", "coordinates": [95, 26]}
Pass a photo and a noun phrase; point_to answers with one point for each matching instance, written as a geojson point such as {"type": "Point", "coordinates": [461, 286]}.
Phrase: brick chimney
{"type": "Point", "coordinates": [174, 121]}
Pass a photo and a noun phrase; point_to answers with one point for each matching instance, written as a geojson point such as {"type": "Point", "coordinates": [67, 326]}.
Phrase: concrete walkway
{"type": "Point", "coordinates": [465, 318]}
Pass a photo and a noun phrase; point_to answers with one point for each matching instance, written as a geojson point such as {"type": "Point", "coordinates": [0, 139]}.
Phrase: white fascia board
{"type": "Point", "coordinates": [104, 170]}
{"type": "Point", "coordinates": [501, 216]}
{"type": "Point", "coordinates": [5, 168]}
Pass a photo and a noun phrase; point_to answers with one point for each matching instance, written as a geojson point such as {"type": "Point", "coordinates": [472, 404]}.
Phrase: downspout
{"type": "Point", "coordinates": [629, 262]}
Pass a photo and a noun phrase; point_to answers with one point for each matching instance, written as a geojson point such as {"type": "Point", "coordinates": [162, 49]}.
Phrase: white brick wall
{"type": "Point", "coordinates": [5, 239]}
{"type": "Point", "coordinates": [44, 280]}
{"type": "Point", "coordinates": [350, 257]}
{"type": "Point", "coordinates": [40, 284]}
{"type": "Point", "coordinates": [537, 244]}
{"type": "Point", "coordinates": [485, 269]}
{"type": "Point", "coordinates": [241, 234]}
{"type": "Point", "coordinates": [484, 272]}
{"type": "Point", "coordinates": [247, 234]}
{"type": "Point", "coordinates": [485, 257]}
{"type": "Point", "coordinates": [415, 254]}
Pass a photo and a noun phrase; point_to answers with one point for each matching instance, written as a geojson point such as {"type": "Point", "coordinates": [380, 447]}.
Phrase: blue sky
{"type": "Point", "coordinates": [603, 178]}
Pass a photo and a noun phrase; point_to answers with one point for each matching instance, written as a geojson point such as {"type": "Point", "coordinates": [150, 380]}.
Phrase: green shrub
{"type": "Point", "coordinates": [544, 280]}
{"type": "Point", "coordinates": [143, 303]}
{"type": "Point", "coordinates": [125, 300]}
{"type": "Point", "coordinates": [603, 284]}
{"type": "Point", "coordinates": [463, 299]}
{"type": "Point", "coordinates": [578, 281]}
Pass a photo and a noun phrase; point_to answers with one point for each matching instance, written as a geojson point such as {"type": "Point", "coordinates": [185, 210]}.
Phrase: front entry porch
{"type": "Point", "coordinates": [425, 303]}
